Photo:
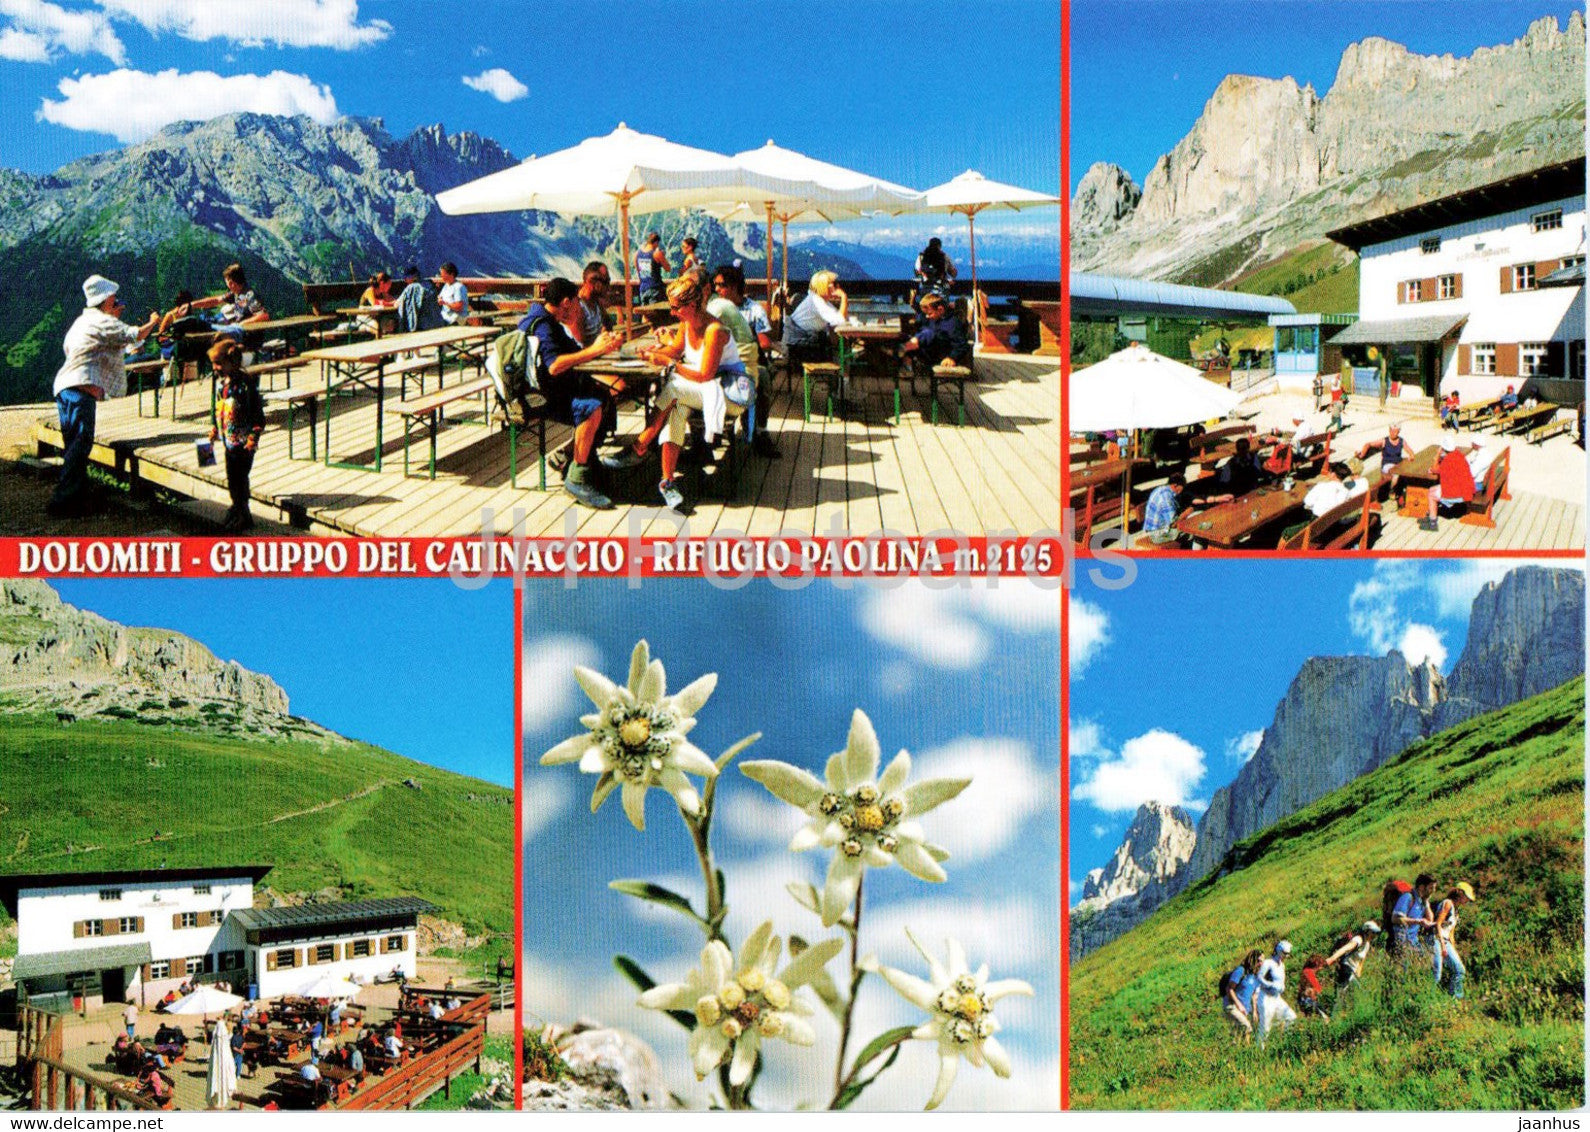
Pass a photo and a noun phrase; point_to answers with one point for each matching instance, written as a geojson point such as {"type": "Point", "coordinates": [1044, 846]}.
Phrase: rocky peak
{"type": "Point", "coordinates": [1156, 845]}
{"type": "Point", "coordinates": [1105, 195]}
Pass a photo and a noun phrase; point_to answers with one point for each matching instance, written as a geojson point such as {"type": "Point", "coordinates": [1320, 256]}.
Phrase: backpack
{"type": "Point", "coordinates": [1224, 987]}
{"type": "Point", "coordinates": [1394, 891]}
{"type": "Point", "coordinates": [516, 358]}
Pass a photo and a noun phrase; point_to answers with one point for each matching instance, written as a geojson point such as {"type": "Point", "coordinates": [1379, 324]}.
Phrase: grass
{"type": "Point", "coordinates": [499, 1050]}
{"type": "Point", "coordinates": [1314, 277]}
{"type": "Point", "coordinates": [1497, 801]}
{"type": "Point", "coordinates": [326, 812]}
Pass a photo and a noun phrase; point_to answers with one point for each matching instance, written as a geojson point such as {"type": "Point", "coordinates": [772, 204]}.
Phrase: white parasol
{"type": "Point", "coordinates": [221, 1080]}
{"type": "Point", "coordinates": [204, 1000]}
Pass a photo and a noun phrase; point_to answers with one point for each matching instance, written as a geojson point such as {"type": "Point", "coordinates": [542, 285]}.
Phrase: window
{"type": "Point", "coordinates": [285, 958]}
{"type": "Point", "coordinates": [395, 942]}
{"type": "Point", "coordinates": [128, 924]}
{"type": "Point", "coordinates": [359, 947]}
{"type": "Point", "coordinates": [93, 927]}
{"type": "Point", "coordinates": [1532, 359]}
{"type": "Point", "coordinates": [1430, 245]}
{"type": "Point", "coordinates": [110, 894]}
{"type": "Point", "coordinates": [1524, 277]}
{"type": "Point", "coordinates": [1485, 357]}
{"type": "Point", "coordinates": [1415, 290]}
{"type": "Point", "coordinates": [230, 960]}
{"type": "Point", "coordinates": [1546, 221]}
{"type": "Point", "coordinates": [160, 969]}
{"type": "Point", "coordinates": [1573, 261]}
{"type": "Point", "coordinates": [194, 965]}
{"type": "Point", "coordinates": [201, 890]}
{"type": "Point", "coordinates": [325, 953]}
{"type": "Point", "coordinates": [1446, 287]}
{"type": "Point", "coordinates": [188, 920]}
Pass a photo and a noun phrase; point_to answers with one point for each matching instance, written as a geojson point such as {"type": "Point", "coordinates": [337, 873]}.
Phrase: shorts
{"type": "Point", "coordinates": [1240, 1022]}
{"type": "Point", "coordinates": [574, 398]}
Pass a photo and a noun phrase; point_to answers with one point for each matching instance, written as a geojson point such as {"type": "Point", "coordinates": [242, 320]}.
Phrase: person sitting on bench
{"type": "Point", "coordinates": [942, 338]}
{"type": "Point", "coordinates": [1456, 489]}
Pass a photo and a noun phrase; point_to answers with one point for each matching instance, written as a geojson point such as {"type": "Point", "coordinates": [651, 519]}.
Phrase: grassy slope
{"type": "Point", "coordinates": [1322, 277]}
{"type": "Point", "coordinates": [1498, 801]}
{"type": "Point", "coordinates": [111, 784]}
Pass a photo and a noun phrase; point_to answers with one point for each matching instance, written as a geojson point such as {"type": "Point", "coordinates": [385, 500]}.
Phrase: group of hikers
{"type": "Point", "coordinates": [1423, 930]}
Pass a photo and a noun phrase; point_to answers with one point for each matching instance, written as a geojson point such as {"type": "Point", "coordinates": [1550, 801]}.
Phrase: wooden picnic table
{"type": "Point", "coordinates": [365, 363]}
{"type": "Point", "coordinates": [884, 342]}
{"type": "Point", "coordinates": [1420, 468]}
{"type": "Point", "coordinates": [1104, 472]}
{"type": "Point", "coordinates": [1226, 524]}
{"type": "Point", "coordinates": [1520, 419]}
{"type": "Point", "coordinates": [342, 1079]}
{"type": "Point", "coordinates": [1048, 313]}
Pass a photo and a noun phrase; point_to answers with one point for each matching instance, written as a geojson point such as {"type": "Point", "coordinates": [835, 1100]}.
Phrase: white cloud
{"type": "Point", "coordinates": [548, 797]}
{"type": "Point", "coordinates": [132, 105]}
{"type": "Point", "coordinates": [759, 817]}
{"type": "Point", "coordinates": [1456, 588]}
{"type": "Point", "coordinates": [1156, 766]}
{"type": "Point", "coordinates": [1009, 786]}
{"type": "Point", "coordinates": [498, 83]}
{"type": "Point", "coordinates": [895, 679]}
{"type": "Point", "coordinates": [1373, 606]}
{"type": "Point", "coordinates": [279, 23]}
{"type": "Point", "coordinates": [949, 627]}
{"type": "Point", "coordinates": [1241, 748]}
{"type": "Point", "coordinates": [1420, 643]}
{"type": "Point", "coordinates": [480, 50]}
{"type": "Point", "coordinates": [548, 689]}
{"type": "Point", "coordinates": [1085, 739]}
{"type": "Point", "coordinates": [38, 31]}
{"type": "Point", "coordinates": [1099, 831]}
{"type": "Point", "coordinates": [1088, 631]}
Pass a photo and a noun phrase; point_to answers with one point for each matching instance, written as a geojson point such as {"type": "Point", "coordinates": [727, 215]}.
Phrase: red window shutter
{"type": "Point", "coordinates": [1557, 359]}
{"type": "Point", "coordinates": [146, 972]}
{"type": "Point", "coordinates": [336, 951]}
{"type": "Point", "coordinates": [110, 927]}
{"type": "Point", "coordinates": [1457, 284]}
{"type": "Point", "coordinates": [138, 924]}
{"type": "Point", "coordinates": [1507, 359]}
{"type": "Point", "coordinates": [1544, 268]}
{"type": "Point", "coordinates": [1430, 288]}
{"type": "Point", "coordinates": [1507, 280]}
{"type": "Point", "coordinates": [270, 961]}
{"type": "Point", "coordinates": [80, 929]}
{"type": "Point", "coordinates": [310, 956]}
{"type": "Point", "coordinates": [1402, 292]}
{"type": "Point", "coordinates": [176, 919]}
{"type": "Point", "coordinates": [1465, 360]}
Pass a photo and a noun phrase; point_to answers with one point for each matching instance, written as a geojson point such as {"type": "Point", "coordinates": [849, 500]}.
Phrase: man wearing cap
{"type": "Point", "coordinates": [1273, 1009]}
{"type": "Point", "coordinates": [1449, 969]}
{"type": "Point", "coordinates": [95, 368]}
{"type": "Point", "coordinates": [1456, 488]}
{"type": "Point", "coordinates": [1349, 959]}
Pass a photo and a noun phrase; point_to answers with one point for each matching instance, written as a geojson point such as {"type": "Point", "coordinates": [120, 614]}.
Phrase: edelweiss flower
{"type": "Point", "coordinates": [736, 1008]}
{"type": "Point", "coordinates": [636, 737]}
{"type": "Point", "coordinates": [962, 1005]}
{"type": "Point", "coordinates": [863, 817]}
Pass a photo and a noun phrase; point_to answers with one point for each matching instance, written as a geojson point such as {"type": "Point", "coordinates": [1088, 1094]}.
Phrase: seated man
{"type": "Point", "coordinates": [238, 305]}
{"type": "Point", "coordinates": [1393, 451]}
{"type": "Point", "coordinates": [454, 296]}
{"type": "Point", "coordinates": [355, 1059]}
{"type": "Point", "coordinates": [1456, 489]}
{"type": "Point", "coordinates": [942, 338]}
{"type": "Point", "coordinates": [1238, 475]}
{"type": "Point", "coordinates": [1164, 503]}
{"type": "Point", "coordinates": [1336, 486]}
{"type": "Point", "coordinates": [729, 282]}
{"type": "Point", "coordinates": [417, 305]}
{"type": "Point", "coordinates": [574, 398]}
{"type": "Point", "coordinates": [1508, 403]}
{"type": "Point", "coordinates": [436, 1010]}
{"type": "Point", "coordinates": [310, 1070]}
{"type": "Point", "coordinates": [594, 319]}
{"type": "Point", "coordinates": [1449, 410]}
{"type": "Point", "coordinates": [1480, 458]}
{"type": "Point", "coordinates": [393, 1046]}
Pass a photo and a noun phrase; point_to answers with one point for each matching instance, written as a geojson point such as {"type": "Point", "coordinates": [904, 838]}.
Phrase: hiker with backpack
{"type": "Point", "coordinates": [1410, 915]}
{"type": "Point", "coordinates": [1237, 992]}
{"type": "Point", "coordinates": [1449, 969]}
{"type": "Point", "coordinates": [1273, 1009]}
{"type": "Point", "coordinates": [1309, 993]}
{"type": "Point", "coordinates": [1349, 956]}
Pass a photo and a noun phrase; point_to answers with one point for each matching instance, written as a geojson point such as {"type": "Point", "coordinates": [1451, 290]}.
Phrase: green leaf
{"type": "Point", "coordinates": [890, 1040]}
{"type": "Point", "coordinates": [643, 982]}
{"type": "Point", "coordinates": [656, 894]}
{"type": "Point", "coordinates": [728, 756]}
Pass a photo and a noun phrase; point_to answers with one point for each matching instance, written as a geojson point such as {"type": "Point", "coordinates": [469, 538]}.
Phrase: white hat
{"type": "Point", "coordinates": [1448, 444]}
{"type": "Point", "coordinates": [1371, 927]}
{"type": "Point", "coordinates": [1284, 947]}
{"type": "Point", "coordinates": [96, 289]}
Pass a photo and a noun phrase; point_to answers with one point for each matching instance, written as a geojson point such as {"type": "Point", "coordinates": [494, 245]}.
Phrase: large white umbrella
{"type": "Point", "coordinates": [221, 1080]}
{"type": "Point", "coordinates": [833, 192]}
{"type": "Point", "coordinates": [1136, 388]}
{"type": "Point", "coordinates": [625, 169]}
{"type": "Point", "coordinates": [971, 193]}
{"type": "Point", "coordinates": [204, 1000]}
{"type": "Point", "coordinates": [328, 986]}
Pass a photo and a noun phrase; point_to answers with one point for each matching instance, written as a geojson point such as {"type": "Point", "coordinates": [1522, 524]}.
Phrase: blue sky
{"type": "Point", "coordinates": [966, 680]}
{"type": "Point", "coordinates": [421, 668]}
{"type": "Point", "coordinates": [1142, 71]}
{"type": "Point", "coordinates": [846, 82]}
{"type": "Point", "coordinates": [1153, 717]}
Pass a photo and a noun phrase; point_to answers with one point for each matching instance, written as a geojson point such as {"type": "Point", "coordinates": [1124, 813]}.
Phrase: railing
{"type": "Point", "coordinates": [407, 1085]}
{"type": "Point", "coordinates": [54, 1085]}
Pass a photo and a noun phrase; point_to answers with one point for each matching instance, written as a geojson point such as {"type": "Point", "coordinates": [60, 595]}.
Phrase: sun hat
{"type": "Point", "coordinates": [1466, 889]}
{"type": "Point", "coordinates": [1371, 927]}
{"type": "Point", "coordinates": [96, 289]}
{"type": "Point", "coordinates": [1448, 444]}
{"type": "Point", "coordinates": [1284, 947]}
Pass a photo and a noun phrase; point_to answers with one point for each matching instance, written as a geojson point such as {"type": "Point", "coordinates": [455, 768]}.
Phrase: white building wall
{"type": "Point", "coordinates": [273, 984]}
{"type": "Point", "coordinates": [1478, 250]}
{"type": "Point", "coordinates": [45, 916]}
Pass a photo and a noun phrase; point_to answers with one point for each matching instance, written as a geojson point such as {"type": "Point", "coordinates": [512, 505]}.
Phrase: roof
{"type": "Point", "coordinates": [314, 915]}
{"type": "Point", "coordinates": [1429, 328]}
{"type": "Point", "coordinates": [1310, 318]}
{"type": "Point", "coordinates": [12, 884]}
{"type": "Point", "coordinates": [1111, 295]}
{"type": "Point", "coordinates": [1548, 183]}
{"type": "Point", "coordinates": [81, 959]}
{"type": "Point", "coordinates": [1570, 276]}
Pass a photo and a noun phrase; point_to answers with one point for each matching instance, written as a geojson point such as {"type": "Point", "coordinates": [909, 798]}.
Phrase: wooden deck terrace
{"type": "Point", "coordinates": [998, 472]}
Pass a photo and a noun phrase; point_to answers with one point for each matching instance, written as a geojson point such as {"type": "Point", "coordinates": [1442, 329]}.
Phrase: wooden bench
{"type": "Point", "coordinates": [950, 374]}
{"type": "Point", "coordinates": [1492, 489]}
{"type": "Point", "coordinates": [1222, 435]}
{"type": "Point", "coordinates": [283, 366]}
{"type": "Point", "coordinates": [1348, 525]}
{"type": "Point", "coordinates": [825, 372]}
{"type": "Point", "coordinates": [306, 395]}
{"type": "Point", "coordinates": [427, 410]}
{"type": "Point", "coordinates": [996, 336]}
{"type": "Point", "coordinates": [1542, 433]}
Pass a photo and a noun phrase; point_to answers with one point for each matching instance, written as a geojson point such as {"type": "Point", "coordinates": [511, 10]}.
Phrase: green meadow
{"type": "Point", "coordinates": [325, 812]}
{"type": "Point", "coordinates": [1497, 801]}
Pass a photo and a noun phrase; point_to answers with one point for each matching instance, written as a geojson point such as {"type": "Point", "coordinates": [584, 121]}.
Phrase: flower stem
{"type": "Point", "coordinates": [701, 833]}
{"type": "Point", "coordinates": [856, 975]}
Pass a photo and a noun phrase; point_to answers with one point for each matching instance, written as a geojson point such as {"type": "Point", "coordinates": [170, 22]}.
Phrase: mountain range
{"type": "Point", "coordinates": [1270, 165]}
{"type": "Point", "coordinates": [1342, 717]}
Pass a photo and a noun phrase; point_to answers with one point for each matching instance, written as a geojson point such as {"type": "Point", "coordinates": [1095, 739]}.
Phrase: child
{"type": "Point", "coordinates": [1308, 997]}
{"type": "Point", "coordinates": [239, 420]}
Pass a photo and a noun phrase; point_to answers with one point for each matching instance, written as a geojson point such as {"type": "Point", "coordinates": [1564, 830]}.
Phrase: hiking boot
{"type": "Point", "coordinates": [672, 497]}
{"type": "Point", "coordinates": [575, 485]}
{"type": "Point", "coordinates": [626, 458]}
{"type": "Point", "coordinates": [1428, 524]}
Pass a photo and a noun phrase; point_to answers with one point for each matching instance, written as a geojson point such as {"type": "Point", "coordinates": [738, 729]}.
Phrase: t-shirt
{"type": "Point", "coordinates": [310, 1071]}
{"type": "Point", "coordinates": [734, 322]}
{"type": "Point", "coordinates": [1409, 905]}
{"type": "Point", "coordinates": [593, 320]}
{"type": "Point", "coordinates": [1239, 475]}
{"type": "Point", "coordinates": [239, 307]}
{"type": "Point", "coordinates": [1311, 985]}
{"type": "Point", "coordinates": [1245, 986]}
{"type": "Point", "coordinates": [942, 338]}
{"type": "Point", "coordinates": [1457, 481]}
{"type": "Point", "coordinates": [1332, 493]}
{"type": "Point", "coordinates": [1160, 511]}
{"type": "Point", "coordinates": [755, 315]}
{"type": "Point", "coordinates": [454, 292]}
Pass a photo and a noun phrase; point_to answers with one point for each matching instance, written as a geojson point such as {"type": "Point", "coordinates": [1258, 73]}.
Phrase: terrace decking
{"type": "Point", "coordinates": [999, 472]}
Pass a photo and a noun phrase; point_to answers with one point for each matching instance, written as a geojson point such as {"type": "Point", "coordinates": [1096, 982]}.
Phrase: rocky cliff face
{"type": "Point", "coordinates": [1157, 844]}
{"type": "Point", "coordinates": [1343, 717]}
{"type": "Point", "coordinates": [54, 657]}
{"type": "Point", "coordinates": [1270, 164]}
{"type": "Point", "coordinates": [1105, 195]}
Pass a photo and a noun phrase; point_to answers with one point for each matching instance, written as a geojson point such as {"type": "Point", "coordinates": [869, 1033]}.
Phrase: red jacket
{"type": "Point", "coordinates": [1457, 482]}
